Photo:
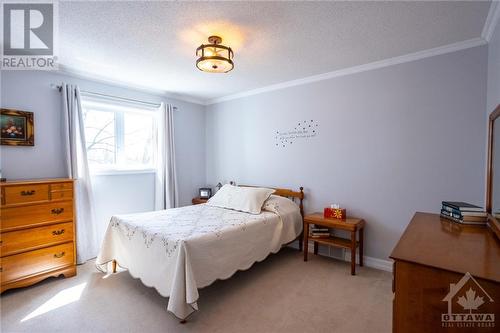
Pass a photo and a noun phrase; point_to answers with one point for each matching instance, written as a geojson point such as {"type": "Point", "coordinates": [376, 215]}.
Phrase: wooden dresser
{"type": "Point", "coordinates": [433, 254]}
{"type": "Point", "coordinates": [37, 231]}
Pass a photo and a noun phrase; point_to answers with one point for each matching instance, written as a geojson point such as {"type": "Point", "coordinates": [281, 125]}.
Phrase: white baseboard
{"type": "Point", "coordinates": [381, 264]}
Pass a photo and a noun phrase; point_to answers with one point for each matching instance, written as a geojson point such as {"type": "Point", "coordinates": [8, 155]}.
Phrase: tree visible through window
{"type": "Point", "coordinates": [119, 138]}
{"type": "Point", "coordinates": [100, 136]}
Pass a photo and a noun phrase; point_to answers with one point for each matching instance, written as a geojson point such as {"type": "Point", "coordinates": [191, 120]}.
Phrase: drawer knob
{"type": "Point", "coordinates": [58, 232]}
{"type": "Point", "coordinates": [59, 255]}
{"type": "Point", "coordinates": [26, 193]}
{"type": "Point", "coordinates": [1, 269]}
{"type": "Point", "coordinates": [57, 211]}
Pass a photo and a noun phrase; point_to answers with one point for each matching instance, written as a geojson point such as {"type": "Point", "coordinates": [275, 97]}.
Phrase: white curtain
{"type": "Point", "coordinates": [78, 169]}
{"type": "Point", "coordinates": [166, 193]}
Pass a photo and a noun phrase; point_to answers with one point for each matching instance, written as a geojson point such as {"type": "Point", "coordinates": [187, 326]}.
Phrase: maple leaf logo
{"type": "Point", "coordinates": [470, 301]}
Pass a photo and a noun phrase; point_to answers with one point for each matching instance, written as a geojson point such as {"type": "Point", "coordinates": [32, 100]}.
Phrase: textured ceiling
{"type": "Point", "coordinates": [152, 44]}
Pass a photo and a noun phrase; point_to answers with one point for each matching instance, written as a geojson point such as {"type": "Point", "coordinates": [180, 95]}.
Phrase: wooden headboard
{"type": "Point", "coordinates": [287, 193]}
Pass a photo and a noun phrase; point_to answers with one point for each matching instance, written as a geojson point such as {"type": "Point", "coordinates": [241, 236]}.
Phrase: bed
{"type": "Point", "coordinates": [178, 251]}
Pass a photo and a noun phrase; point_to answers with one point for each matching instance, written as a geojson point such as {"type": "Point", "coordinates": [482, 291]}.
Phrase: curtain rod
{"type": "Point", "coordinates": [59, 88]}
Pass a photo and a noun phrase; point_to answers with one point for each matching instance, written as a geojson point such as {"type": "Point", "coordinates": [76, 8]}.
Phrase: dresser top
{"type": "Point", "coordinates": [432, 241]}
{"type": "Point", "coordinates": [35, 181]}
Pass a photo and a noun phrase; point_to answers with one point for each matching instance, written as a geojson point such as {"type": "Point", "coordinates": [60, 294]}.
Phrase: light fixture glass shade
{"type": "Point", "coordinates": [213, 57]}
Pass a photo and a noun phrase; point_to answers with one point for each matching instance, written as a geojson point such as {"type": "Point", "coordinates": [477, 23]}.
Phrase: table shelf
{"type": "Point", "coordinates": [352, 225]}
{"type": "Point", "coordinates": [334, 241]}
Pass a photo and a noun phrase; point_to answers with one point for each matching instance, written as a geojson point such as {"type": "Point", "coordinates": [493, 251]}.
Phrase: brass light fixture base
{"type": "Point", "coordinates": [214, 40]}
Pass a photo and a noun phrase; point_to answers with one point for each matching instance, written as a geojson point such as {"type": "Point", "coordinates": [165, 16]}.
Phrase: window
{"type": "Point", "coordinates": [119, 137]}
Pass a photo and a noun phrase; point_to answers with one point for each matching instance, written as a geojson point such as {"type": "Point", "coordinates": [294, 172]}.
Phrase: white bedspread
{"type": "Point", "coordinates": [180, 250]}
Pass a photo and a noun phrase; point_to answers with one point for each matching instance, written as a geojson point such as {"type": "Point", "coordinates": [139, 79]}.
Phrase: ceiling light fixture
{"type": "Point", "coordinates": [214, 57]}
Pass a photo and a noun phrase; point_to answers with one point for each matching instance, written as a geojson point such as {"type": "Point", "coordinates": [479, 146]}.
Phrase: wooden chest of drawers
{"type": "Point", "coordinates": [37, 231]}
{"type": "Point", "coordinates": [436, 264]}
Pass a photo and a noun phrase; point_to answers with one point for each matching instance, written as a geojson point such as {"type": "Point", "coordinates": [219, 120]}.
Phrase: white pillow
{"type": "Point", "coordinates": [244, 199]}
{"type": "Point", "coordinates": [280, 205]}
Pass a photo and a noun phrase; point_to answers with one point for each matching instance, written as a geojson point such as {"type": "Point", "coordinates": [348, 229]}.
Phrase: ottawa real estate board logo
{"type": "Point", "coordinates": [466, 300]}
{"type": "Point", "coordinates": [29, 35]}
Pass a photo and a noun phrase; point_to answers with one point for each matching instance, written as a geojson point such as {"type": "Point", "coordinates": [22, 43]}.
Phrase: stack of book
{"type": "Point", "coordinates": [319, 232]}
{"type": "Point", "coordinates": [464, 213]}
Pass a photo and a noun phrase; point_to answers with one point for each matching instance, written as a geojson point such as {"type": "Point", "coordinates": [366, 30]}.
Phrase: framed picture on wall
{"type": "Point", "coordinates": [17, 128]}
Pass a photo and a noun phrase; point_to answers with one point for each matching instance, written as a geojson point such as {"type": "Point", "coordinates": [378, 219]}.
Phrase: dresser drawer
{"type": "Point", "coordinates": [33, 262]}
{"type": "Point", "coordinates": [17, 241]}
{"type": "Point", "coordinates": [25, 194]}
{"type": "Point", "coordinates": [61, 195]}
{"type": "Point", "coordinates": [61, 186]}
{"type": "Point", "coordinates": [15, 217]}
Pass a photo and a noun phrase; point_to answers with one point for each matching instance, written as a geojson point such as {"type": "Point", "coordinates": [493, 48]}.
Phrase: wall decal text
{"type": "Point", "coordinates": [304, 129]}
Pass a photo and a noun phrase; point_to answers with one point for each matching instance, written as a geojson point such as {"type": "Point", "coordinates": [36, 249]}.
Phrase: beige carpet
{"type": "Point", "coordinates": [280, 294]}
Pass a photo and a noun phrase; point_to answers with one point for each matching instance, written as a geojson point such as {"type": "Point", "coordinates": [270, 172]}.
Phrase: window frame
{"type": "Point", "coordinates": [119, 109]}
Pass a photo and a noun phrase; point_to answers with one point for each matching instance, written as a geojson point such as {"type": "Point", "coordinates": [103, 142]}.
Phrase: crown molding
{"type": "Point", "coordinates": [491, 21]}
{"type": "Point", "coordinates": [65, 70]}
{"type": "Point", "coordinates": [357, 69]}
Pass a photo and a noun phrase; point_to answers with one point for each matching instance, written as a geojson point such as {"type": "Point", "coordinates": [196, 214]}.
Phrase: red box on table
{"type": "Point", "coordinates": [334, 213]}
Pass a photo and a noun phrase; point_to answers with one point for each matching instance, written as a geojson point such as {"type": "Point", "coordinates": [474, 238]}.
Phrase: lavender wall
{"type": "Point", "coordinates": [391, 141]}
{"type": "Point", "coordinates": [494, 71]}
{"type": "Point", "coordinates": [116, 194]}
{"type": "Point", "coordinates": [31, 91]}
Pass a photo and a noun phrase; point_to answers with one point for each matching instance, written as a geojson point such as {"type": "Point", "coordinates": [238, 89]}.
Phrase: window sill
{"type": "Point", "coordinates": [120, 172]}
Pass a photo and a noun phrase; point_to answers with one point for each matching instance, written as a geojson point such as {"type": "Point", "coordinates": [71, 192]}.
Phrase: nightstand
{"type": "Point", "coordinates": [198, 200]}
{"type": "Point", "coordinates": [352, 225]}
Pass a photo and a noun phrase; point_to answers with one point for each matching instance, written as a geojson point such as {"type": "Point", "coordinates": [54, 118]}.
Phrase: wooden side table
{"type": "Point", "coordinates": [352, 225]}
{"type": "Point", "coordinates": [198, 200]}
